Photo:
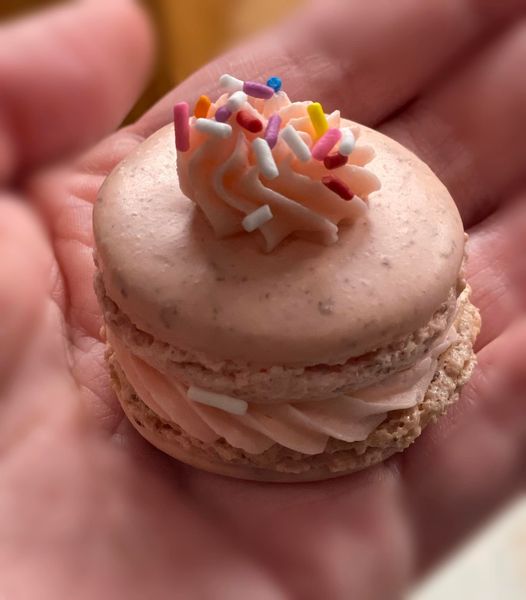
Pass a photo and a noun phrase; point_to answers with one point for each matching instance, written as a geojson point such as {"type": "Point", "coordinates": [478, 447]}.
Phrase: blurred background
{"type": "Point", "coordinates": [190, 33]}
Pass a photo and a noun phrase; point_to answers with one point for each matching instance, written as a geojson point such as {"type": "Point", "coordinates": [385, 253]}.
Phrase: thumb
{"type": "Point", "coordinates": [69, 75]}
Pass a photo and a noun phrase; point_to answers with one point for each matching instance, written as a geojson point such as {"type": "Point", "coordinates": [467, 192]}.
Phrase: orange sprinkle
{"type": "Point", "coordinates": [201, 107]}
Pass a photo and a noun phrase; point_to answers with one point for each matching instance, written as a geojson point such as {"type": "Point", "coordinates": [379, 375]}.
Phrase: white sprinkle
{"type": "Point", "coordinates": [221, 401]}
{"type": "Point", "coordinates": [236, 101]}
{"type": "Point", "coordinates": [221, 130]}
{"type": "Point", "coordinates": [295, 143]}
{"type": "Point", "coordinates": [347, 142]}
{"type": "Point", "coordinates": [266, 163]}
{"type": "Point", "coordinates": [257, 218]}
{"type": "Point", "coordinates": [232, 84]}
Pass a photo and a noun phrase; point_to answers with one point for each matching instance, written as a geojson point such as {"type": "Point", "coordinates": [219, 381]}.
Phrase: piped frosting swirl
{"type": "Point", "coordinates": [248, 153]}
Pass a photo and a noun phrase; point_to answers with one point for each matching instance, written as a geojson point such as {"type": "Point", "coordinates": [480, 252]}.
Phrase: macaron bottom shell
{"type": "Point", "coordinates": [280, 464]}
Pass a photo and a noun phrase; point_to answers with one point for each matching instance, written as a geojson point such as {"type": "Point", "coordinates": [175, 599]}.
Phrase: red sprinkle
{"type": "Point", "coordinates": [338, 187]}
{"type": "Point", "coordinates": [333, 161]}
{"type": "Point", "coordinates": [246, 120]}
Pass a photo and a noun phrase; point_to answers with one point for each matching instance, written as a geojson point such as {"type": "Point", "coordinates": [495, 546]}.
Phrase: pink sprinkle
{"type": "Point", "coordinates": [182, 129]}
{"type": "Point", "coordinates": [326, 143]}
{"type": "Point", "coordinates": [223, 114]}
{"type": "Point", "coordinates": [272, 130]}
{"type": "Point", "coordinates": [258, 90]}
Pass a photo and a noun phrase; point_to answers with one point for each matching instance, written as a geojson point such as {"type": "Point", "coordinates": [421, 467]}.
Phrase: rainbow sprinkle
{"type": "Point", "coordinates": [249, 122]}
{"type": "Point", "coordinates": [293, 140]}
{"type": "Point", "coordinates": [265, 160]}
{"type": "Point", "coordinates": [182, 127]}
{"type": "Point", "coordinates": [318, 118]}
{"type": "Point", "coordinates": [258, 90]}
{"type": "Point", "coordinates": [326, 143]}
{"type": "Point", "coordinates": [334, 161]}
{"type": "Point", "coordinates": [338, 187]}
{"type": "Point", "coordinates": [256, 219]}
{"type": "Point", "coordinates": [272, 130]}
{"type": "Point", "coordinates": [303, 146]}
{"type": "Point", "coordinates": [236, 101]}
{"type": "Point", "coordinates": [348, 142]}
{"type": "Point", "coordinates": [220, 130]}
{"type": "Point", "coordinates": [275, 83]}
{"type": "Point", "coordinates": [230, 83]}
{"type": "Point", "coordinates": [202, 107]}
{"type": "Point", "coordinates": [223, 114]}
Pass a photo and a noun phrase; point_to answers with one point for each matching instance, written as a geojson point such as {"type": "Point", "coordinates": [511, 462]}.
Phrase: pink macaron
{"type": "Point", "coordinates": [261, 323]}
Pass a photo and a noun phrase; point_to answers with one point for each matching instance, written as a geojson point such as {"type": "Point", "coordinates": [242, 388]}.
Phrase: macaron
{"type": "Point", "coordinates": [273, 315]}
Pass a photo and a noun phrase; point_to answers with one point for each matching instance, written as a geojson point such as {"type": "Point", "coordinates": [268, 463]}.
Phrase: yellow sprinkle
{"type": "Point", "coordinates": [317, 117]}
{"type": "Point", "coordinates": [201, 107]}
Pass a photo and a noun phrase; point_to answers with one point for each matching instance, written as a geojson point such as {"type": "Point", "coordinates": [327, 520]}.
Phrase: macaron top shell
{"type": "Point", "coordinates": [302, 304]}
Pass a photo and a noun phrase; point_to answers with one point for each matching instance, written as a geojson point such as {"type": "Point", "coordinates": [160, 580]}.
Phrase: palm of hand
{"type": "Point", "coordinates": [90, 510]}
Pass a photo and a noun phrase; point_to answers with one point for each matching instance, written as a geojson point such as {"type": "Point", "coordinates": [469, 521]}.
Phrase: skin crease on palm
{"type": "Point", "coordinates": [90, 510]}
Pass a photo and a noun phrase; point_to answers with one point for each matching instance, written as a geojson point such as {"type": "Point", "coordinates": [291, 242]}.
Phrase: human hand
{"type": "Point", "coordinates": [89, 510]}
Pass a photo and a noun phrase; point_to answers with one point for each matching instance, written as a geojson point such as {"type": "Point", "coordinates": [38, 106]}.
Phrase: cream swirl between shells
{"type": "Point", "coordinates": [220, 174]}
{"type": "Point", "coordinates": [305, 427]}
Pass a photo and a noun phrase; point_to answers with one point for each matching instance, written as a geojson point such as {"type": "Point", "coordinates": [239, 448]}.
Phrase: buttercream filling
{"type": "Point", "coordinates": [302, 426]}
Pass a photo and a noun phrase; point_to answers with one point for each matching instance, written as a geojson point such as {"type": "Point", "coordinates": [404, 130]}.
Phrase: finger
{"type": "Point", "coordinates": [467, 28]}
{"type": "Point", "coordinates": [468, 128]}
{"type": "Point", "coordinates": [24, 280]}
{"type": "Point", "coordinates": [316, 528]}
{"type": "Point", "coordinates": [366, 58]}
{"type": "Point", "coordinates": [307, 53]}
{"type": "Point", "coordinates": [470, 462]}
{"type": "Point", "coordinates": [70, 499]}
{"type": "Point", "coordinates": [69, 75]}
{"type": "Point", "coordinates": [495, 269]}
{"type": "Point", "coordinates": [455, 475]}
{"type": "Point", "coordinates": [64, 197]}
{"type": "Point", "coordinates": [416, 40]}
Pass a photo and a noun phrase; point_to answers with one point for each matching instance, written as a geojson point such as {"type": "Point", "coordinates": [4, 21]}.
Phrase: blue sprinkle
{"type": "Point", "coordinates": [274, 83]}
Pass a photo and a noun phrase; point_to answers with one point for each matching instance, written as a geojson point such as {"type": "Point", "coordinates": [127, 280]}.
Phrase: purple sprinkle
{"type": "Point", "coordinates": [258, 90]}
{"type": "Point", "coordinates": [272, 130]}
{"type": "Point", "coordinates": [223, 114]}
